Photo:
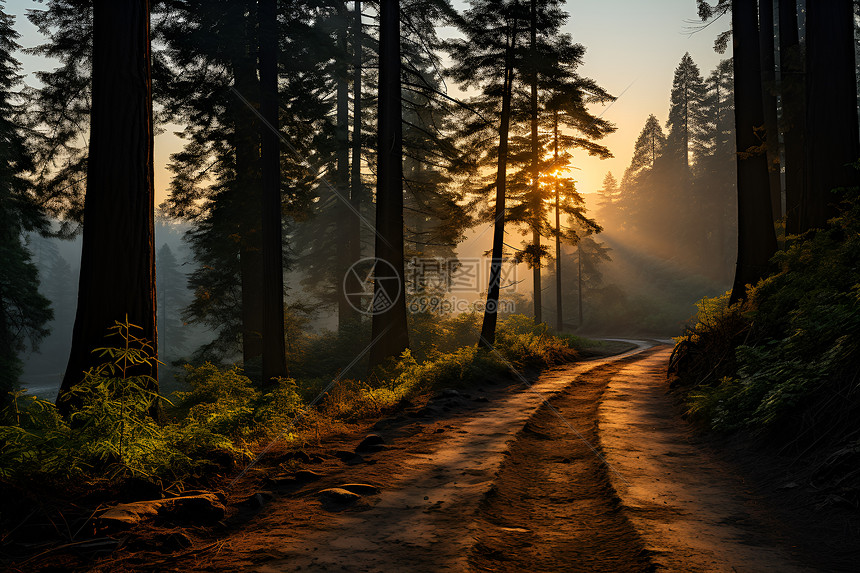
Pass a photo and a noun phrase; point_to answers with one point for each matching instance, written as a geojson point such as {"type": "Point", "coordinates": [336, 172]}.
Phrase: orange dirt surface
{"type": "Point", "coordinates": [587, 467]}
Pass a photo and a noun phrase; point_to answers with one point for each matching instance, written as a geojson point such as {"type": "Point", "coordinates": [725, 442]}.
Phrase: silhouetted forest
{"type": "Point", "coordinates": [369, 203]}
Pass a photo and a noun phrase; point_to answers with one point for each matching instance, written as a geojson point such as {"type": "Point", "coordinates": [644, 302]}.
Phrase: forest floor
{"type": "Point", "coordinates": [585, 467]}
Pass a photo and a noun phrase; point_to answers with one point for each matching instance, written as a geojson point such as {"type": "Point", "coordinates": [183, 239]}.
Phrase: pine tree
{"type": "Point", "coordinates": [686, 119]}
{"type": "Point", "coordinates": [519, 49]}
{"type": "Point", "coordinates": [117, 279]}
{"type": "Point", "coordinates": [833, 141]}
{"type": "Point", "coordinates": [217, 176]}
{"type": "Point", "coordinates": [273, 350]}
{"type": "Point", "coordinates": [756, 235]}
{"type": "Point", "coordinates": [716, 175]}
{"type": "Point", "coordinates": [610, 198]}
{"type": "Point", "coordinates": [649, 146]}
{"type": "Point", "coordinates": [58, 114]}
{"type": "Point", "coordinates": [24, 313]}
{"type": "Point", "coordinates": [486, 59]}
{"type": "Point", "coordinates": [557, 97]}
{"type": "Point", "coordinates": [767, 39]}
{"type": "Point", "coordinates": [171, 286]}
{"type": "Point", "coordinates": [389, 328]}
{"type": "Point", "coordinates": [793, 98]}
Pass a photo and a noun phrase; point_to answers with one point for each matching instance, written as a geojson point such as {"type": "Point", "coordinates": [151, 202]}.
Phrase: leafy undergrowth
{"type": "Point", "coordinates": [782, 365]}
{"type": "Point", "coordinates": [224, 417]}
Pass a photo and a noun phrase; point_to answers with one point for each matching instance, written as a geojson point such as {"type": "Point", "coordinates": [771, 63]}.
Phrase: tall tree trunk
{"type": "Point", "coordinates": [768, 87]}
{"type": "Point", "coordinates": [248, 193]}
{"type": "Point", "coordinates": [579, 277]}
{"type": "Point", "coordinates": [831, 109]}
{"type": "Point", "coordinates": [792, 91]}
{"type": "Point", "coordinates": [389, 327]}
{"type": "Point", "coordinates": [488, 327]}
{"type": "Point", "coordinates": [536, 200]}
{"type": "Point", "coordinates": [117, 278]}
{"type": "Point", "coordinates": [559, 317]}
{"type": "Point", "coordinates": [343, 212]}
{"type": "Point", "coordinates": [756, 236]}
{"type": "Point", "coordinates": [352, 227]}
{"type": "Point", "coordinates": [274, 357]}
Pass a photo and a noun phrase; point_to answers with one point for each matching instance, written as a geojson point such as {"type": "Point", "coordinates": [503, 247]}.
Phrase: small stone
{"type": "Point", "coordinates": [256, 501]}
{"type": "Point", "coordinates": [426, 497]}
{"type": "Point", "coordinates": [427, 412]}
{"type": "Point", "coordinates": [450, 393]}
{"type": "Point", "coordinates": [344, 455]}
{"type": "Point", "coordinates": [370, 442]}
{"type": "Point", "coordinates": [337, 499]}
{"type": "Point", "coordinates": [374, 449]}
{"type": "Point", "coordinates": [481, 399]}
{"type": "Point", "coordinates": [438, 430]}
{"type": "Point", "coordinates": [205, 507]}
{"type": "Point", "coordinates": [198, 508]}
{"type": "Point", "coordinates": [306, 476]}
{"type": "Point", "coordinates": [361, 488]}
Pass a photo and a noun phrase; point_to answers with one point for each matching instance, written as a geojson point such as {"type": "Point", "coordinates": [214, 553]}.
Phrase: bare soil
{"type": "Point", "coordinates": [586, 467]}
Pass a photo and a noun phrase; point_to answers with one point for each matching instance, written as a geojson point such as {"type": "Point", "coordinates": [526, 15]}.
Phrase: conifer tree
{"type": "Point", "coordinates": [793, 98]}
{"type": "Point", "coordinates": [716, 175]}
{"type": "Point", "coordinates": [649, 146]}
{"type": "Point", "coordinates": [119, 208]}
{"type": "Point", "coordinates": [59, 109]}
{"type": "Point", "coordinates": [271, 212]}
{"type": "Point", "coordinates": [767, 39]}
{"type": "Point", "coordinates": [486, 59]}
{"type": "Point", "coordinates": [610, 198]}
{"type": "Point", "coordinates": [389, 329]}
{"type": "Point", "coordinates": [686, 119]}
{"type": "Point", "coordinates": [833, 142]}
{"type": "Point", "coordinates": [171, 286]}
{"type": "Point", "coordinates": [216, 179]}
{"type": "Point", "coordinates": [756, 235]}
{"type": "Point", "coordinates": [24, 313]}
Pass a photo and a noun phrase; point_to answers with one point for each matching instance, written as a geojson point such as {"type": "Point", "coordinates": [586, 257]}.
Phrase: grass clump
{"type": "Point", "coordinates": [111, 435]}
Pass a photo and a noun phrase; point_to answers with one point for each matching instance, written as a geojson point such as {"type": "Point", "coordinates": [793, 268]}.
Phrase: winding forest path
{"type": "Point", "coordinates": [590, 469]}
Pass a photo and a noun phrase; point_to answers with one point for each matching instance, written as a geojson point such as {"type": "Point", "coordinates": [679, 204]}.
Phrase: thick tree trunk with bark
{"type": "Point", "coordinates": [579, 278]}
{"type": "Point", "coordinates": [389, 329]}
{"type": "Point", "coordinates": [274, 356]}
{"type": "Point", "coordinates": [248, 190]}
{"type": "Point", "coordinates": [536, 199]}
{"type": "Point", "coordinates": [768, 87]}
{"type": "Point", "coordinates": [792, 92]}
{"type": "Point", "coordinates": [831, 109]}
{"type": "Point", "coordinates": [559, 320]}
{"type": "Point", "coordinates": [756, 235]}
{"type": "Point", "coordinates": [248, 184]}
{"type": "Point", "coordinates": [117, 278]}
{"type": "Point", "coordinates": [344, 213]}
{"type": "Point", "coordinates": [352, 227]}
{"type": "Point", "coordinates": [488, 327]}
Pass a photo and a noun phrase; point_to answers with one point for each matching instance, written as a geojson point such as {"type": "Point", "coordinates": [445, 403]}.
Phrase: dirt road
{"type": "Point", "coordinates": [588, 468]}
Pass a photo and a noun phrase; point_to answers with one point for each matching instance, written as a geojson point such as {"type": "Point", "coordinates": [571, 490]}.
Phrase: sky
{"type": "Point", "coordinates": [632, 45]}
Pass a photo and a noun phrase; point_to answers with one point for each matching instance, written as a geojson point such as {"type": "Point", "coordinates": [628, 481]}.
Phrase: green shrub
{"type": "Point", "coordinates": [109, 435]}
{"type": "Point", "coordinates": [768, 363]}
